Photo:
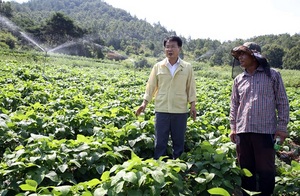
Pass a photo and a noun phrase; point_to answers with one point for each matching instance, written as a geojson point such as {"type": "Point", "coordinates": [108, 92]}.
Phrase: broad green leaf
{"type": "Point", "coordinates": [31, 165]}
{"type": "Point", "coordinates": [247, 172]}
{"type": "Point", "coordinates": [119, 187]}
{"type": "Point", "coordinates": [3, 124]}
{"type": "Point", "coordinates": [63, 168]}
{"type": "Point", "coordinates": [209, 176]}
{"type": "Point", "coordinates": [20, 152]}
{"type": "Point", "coordinates": [52, 156]}
{"type": "Point", "coordinates": [81, 148]}
{"type": "Point", "coordinates": [200, 180]}
{"type": "Point", "coordinates": [115, 168]}
{"type": "Point", "coordinates": [219, 157]}
{"type": "Point", "coordinates": [63, 190]}
{"type": "Point", "coordinates": [117, 178]}
{"type": "Point", "coordinates": [100, 192]}
{"type": "Point", "coordinates": [52, 175]}
{"type": "Point", "coordinates": [37, 137]}
{"type": "Point", "coordinates": [37, 174]}
{"type": "Point", "coordinates": [75, 162]}
{"type": "Point", "coordinates": [33, 159]}
{"type": "Point", "coordinates": [105, 176]}
{"type": "Point", "coordinates": [30, 185]}
{"type": "Point", "coordinates": [221, 127]}
{"type": "Point", "coordinates": [251, 192]}
{"type": "Point", "coordinates": [228, 184]}
{"type": "Point", "coordinates": [18, 164]}
{"type": "Point", "coordinates": [142, 179]}
{"type": "Point", "coordinates": [158, 176]}
{"type": "Point", "coordinates": [218, 191]}
{"type": "Point", "coordinates": [94, 182]}
{"type": "Point", "coordinates": [172, 176]}
{"type": "Point", "coordinates": [216, 165]}
{"type": "Point", "coordinates": [106, 146]}
{"type": "Point", "coordinates": [83, 154]}
{"type": "Point", "coordinates": [177, 169]}
{"type": "Point", "coordinates": [82, 138]}
{"type": "Point", "coordinates": [130, 177]}
{"type": "Point", "coordinates": [100, 169]}
{"type": "Point", "coordinates": [295, 165]}
{"type": "Point", "coordinates": [95, 157]}
{"type": "Point", "coordinates": [27, 187]}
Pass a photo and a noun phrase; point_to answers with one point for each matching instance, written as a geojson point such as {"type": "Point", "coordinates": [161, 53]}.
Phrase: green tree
{"type": "Point", "coordinates": [217, 57]}
{"type": "Point", "coordinates": [7, 40]}
{"type": "Point", "coordinates": [5, 9]}
{"type": "Point", "coordinates": [62, 25]}
{"type": "Point", "coordinates": [141, 63]}
{"type": "Point", "coordinates": [59, 29]}
{"type": "Point", "coordinates": [274, 53]}
{"type": "Point", "coordinates": [292, 58]}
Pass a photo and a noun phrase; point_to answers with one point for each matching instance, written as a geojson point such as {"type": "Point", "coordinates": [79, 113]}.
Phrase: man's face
{"type": "Point", "coordinates": [246, 60]}
{"type": "Point", "coordinates": [172, 49]}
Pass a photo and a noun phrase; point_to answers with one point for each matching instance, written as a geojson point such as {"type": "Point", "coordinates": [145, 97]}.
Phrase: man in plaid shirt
{"type": "Point", "coordinates": [259, 113]}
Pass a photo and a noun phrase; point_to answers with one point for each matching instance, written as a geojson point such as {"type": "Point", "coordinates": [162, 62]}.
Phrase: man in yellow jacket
{"type": "Point", "coordinates": [173, 85]}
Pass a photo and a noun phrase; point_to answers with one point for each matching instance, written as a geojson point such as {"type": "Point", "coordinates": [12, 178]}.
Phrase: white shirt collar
{"type": "Point", "coordinates": [172, 68]}
{"type": "Point", "coordinates": [177, 62]}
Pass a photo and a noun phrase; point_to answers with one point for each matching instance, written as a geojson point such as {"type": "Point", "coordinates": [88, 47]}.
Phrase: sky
{"type": "Point", "coordinates": [223, 20]}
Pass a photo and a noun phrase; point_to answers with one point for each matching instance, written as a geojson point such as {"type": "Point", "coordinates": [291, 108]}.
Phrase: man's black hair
{"type": "Point", "coordinates": [173, 38]}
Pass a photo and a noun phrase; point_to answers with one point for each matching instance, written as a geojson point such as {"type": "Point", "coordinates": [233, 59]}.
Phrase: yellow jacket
{"type": "Point", "coordinates": [172, 94]}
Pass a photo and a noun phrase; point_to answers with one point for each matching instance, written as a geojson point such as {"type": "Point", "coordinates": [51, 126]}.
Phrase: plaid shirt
{"type": "Point", "coordinates": [259, 103]}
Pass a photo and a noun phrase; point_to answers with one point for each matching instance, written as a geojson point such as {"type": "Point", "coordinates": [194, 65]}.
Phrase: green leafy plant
{"type": "Point", "coordinates": [67, 127]}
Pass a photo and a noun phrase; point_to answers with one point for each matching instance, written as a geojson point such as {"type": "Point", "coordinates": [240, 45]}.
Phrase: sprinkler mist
{"type": "Point", "coordinates": [27, 37]}
{"type": "Point", "coordinates": [18, 32]}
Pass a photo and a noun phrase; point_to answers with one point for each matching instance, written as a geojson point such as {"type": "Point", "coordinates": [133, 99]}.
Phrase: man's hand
{"type": "Point", "coordinates": [282, 135]}
{"type": "Point", "coordinates": [193, 112]}
{"type": "Point", "coordinates": [141, 108]}
{"type": "Point", "coordinates": [232, 136]}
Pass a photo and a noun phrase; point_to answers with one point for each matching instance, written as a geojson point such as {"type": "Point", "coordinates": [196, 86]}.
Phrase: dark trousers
{"type": "Point", "coordinates": [256, 153]}
{"type": "Point", "coordinates": [169, 124]}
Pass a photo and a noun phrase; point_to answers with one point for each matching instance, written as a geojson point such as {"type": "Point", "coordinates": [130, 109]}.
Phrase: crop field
{"type": "Point", "coordinates": [67, 127]}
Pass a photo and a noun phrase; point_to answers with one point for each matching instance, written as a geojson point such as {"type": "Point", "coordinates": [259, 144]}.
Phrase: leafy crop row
{"type": "Point", "coordinates": [67, 127]}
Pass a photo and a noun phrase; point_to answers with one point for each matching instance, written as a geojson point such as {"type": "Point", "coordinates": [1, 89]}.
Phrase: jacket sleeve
{"type": "Point", "coordinates": [151, 87]}
{"type": "Point", "coordinates": [191, 86]}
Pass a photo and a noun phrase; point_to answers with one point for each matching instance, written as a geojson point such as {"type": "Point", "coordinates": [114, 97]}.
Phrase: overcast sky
{"type": "Point", "coordinates": [217, 19]}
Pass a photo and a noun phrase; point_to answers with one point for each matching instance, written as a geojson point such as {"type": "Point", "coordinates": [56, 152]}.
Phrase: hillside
{"type": "Point", "coordinates": [117, 27]}
{"type": "Point", "coordinates": [97, 22]}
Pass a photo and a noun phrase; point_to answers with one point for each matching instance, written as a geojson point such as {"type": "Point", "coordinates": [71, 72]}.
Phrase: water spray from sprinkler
{"type": "Point", "coordinates": [16, 30]}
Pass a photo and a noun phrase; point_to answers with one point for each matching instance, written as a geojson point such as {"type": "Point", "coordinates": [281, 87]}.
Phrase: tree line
{"type": "Point", "coordinates": [102, 28]}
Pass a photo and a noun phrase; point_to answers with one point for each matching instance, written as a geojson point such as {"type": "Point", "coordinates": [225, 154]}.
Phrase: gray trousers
{"type": "Point", "coordinates": [169, 124]}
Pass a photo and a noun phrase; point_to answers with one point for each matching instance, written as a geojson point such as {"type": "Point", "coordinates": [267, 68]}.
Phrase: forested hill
{"type": "Point", "coordinates": [54, 22]}
{"type": "Point", "coordinates": [115, 26]}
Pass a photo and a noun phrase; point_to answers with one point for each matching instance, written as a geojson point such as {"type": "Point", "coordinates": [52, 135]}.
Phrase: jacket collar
{"type": "Point", "coordinates": [179, 61]}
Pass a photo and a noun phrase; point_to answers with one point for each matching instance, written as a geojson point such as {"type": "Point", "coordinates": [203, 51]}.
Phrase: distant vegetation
{"type": "Point", "coordinates": [95, 29]}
